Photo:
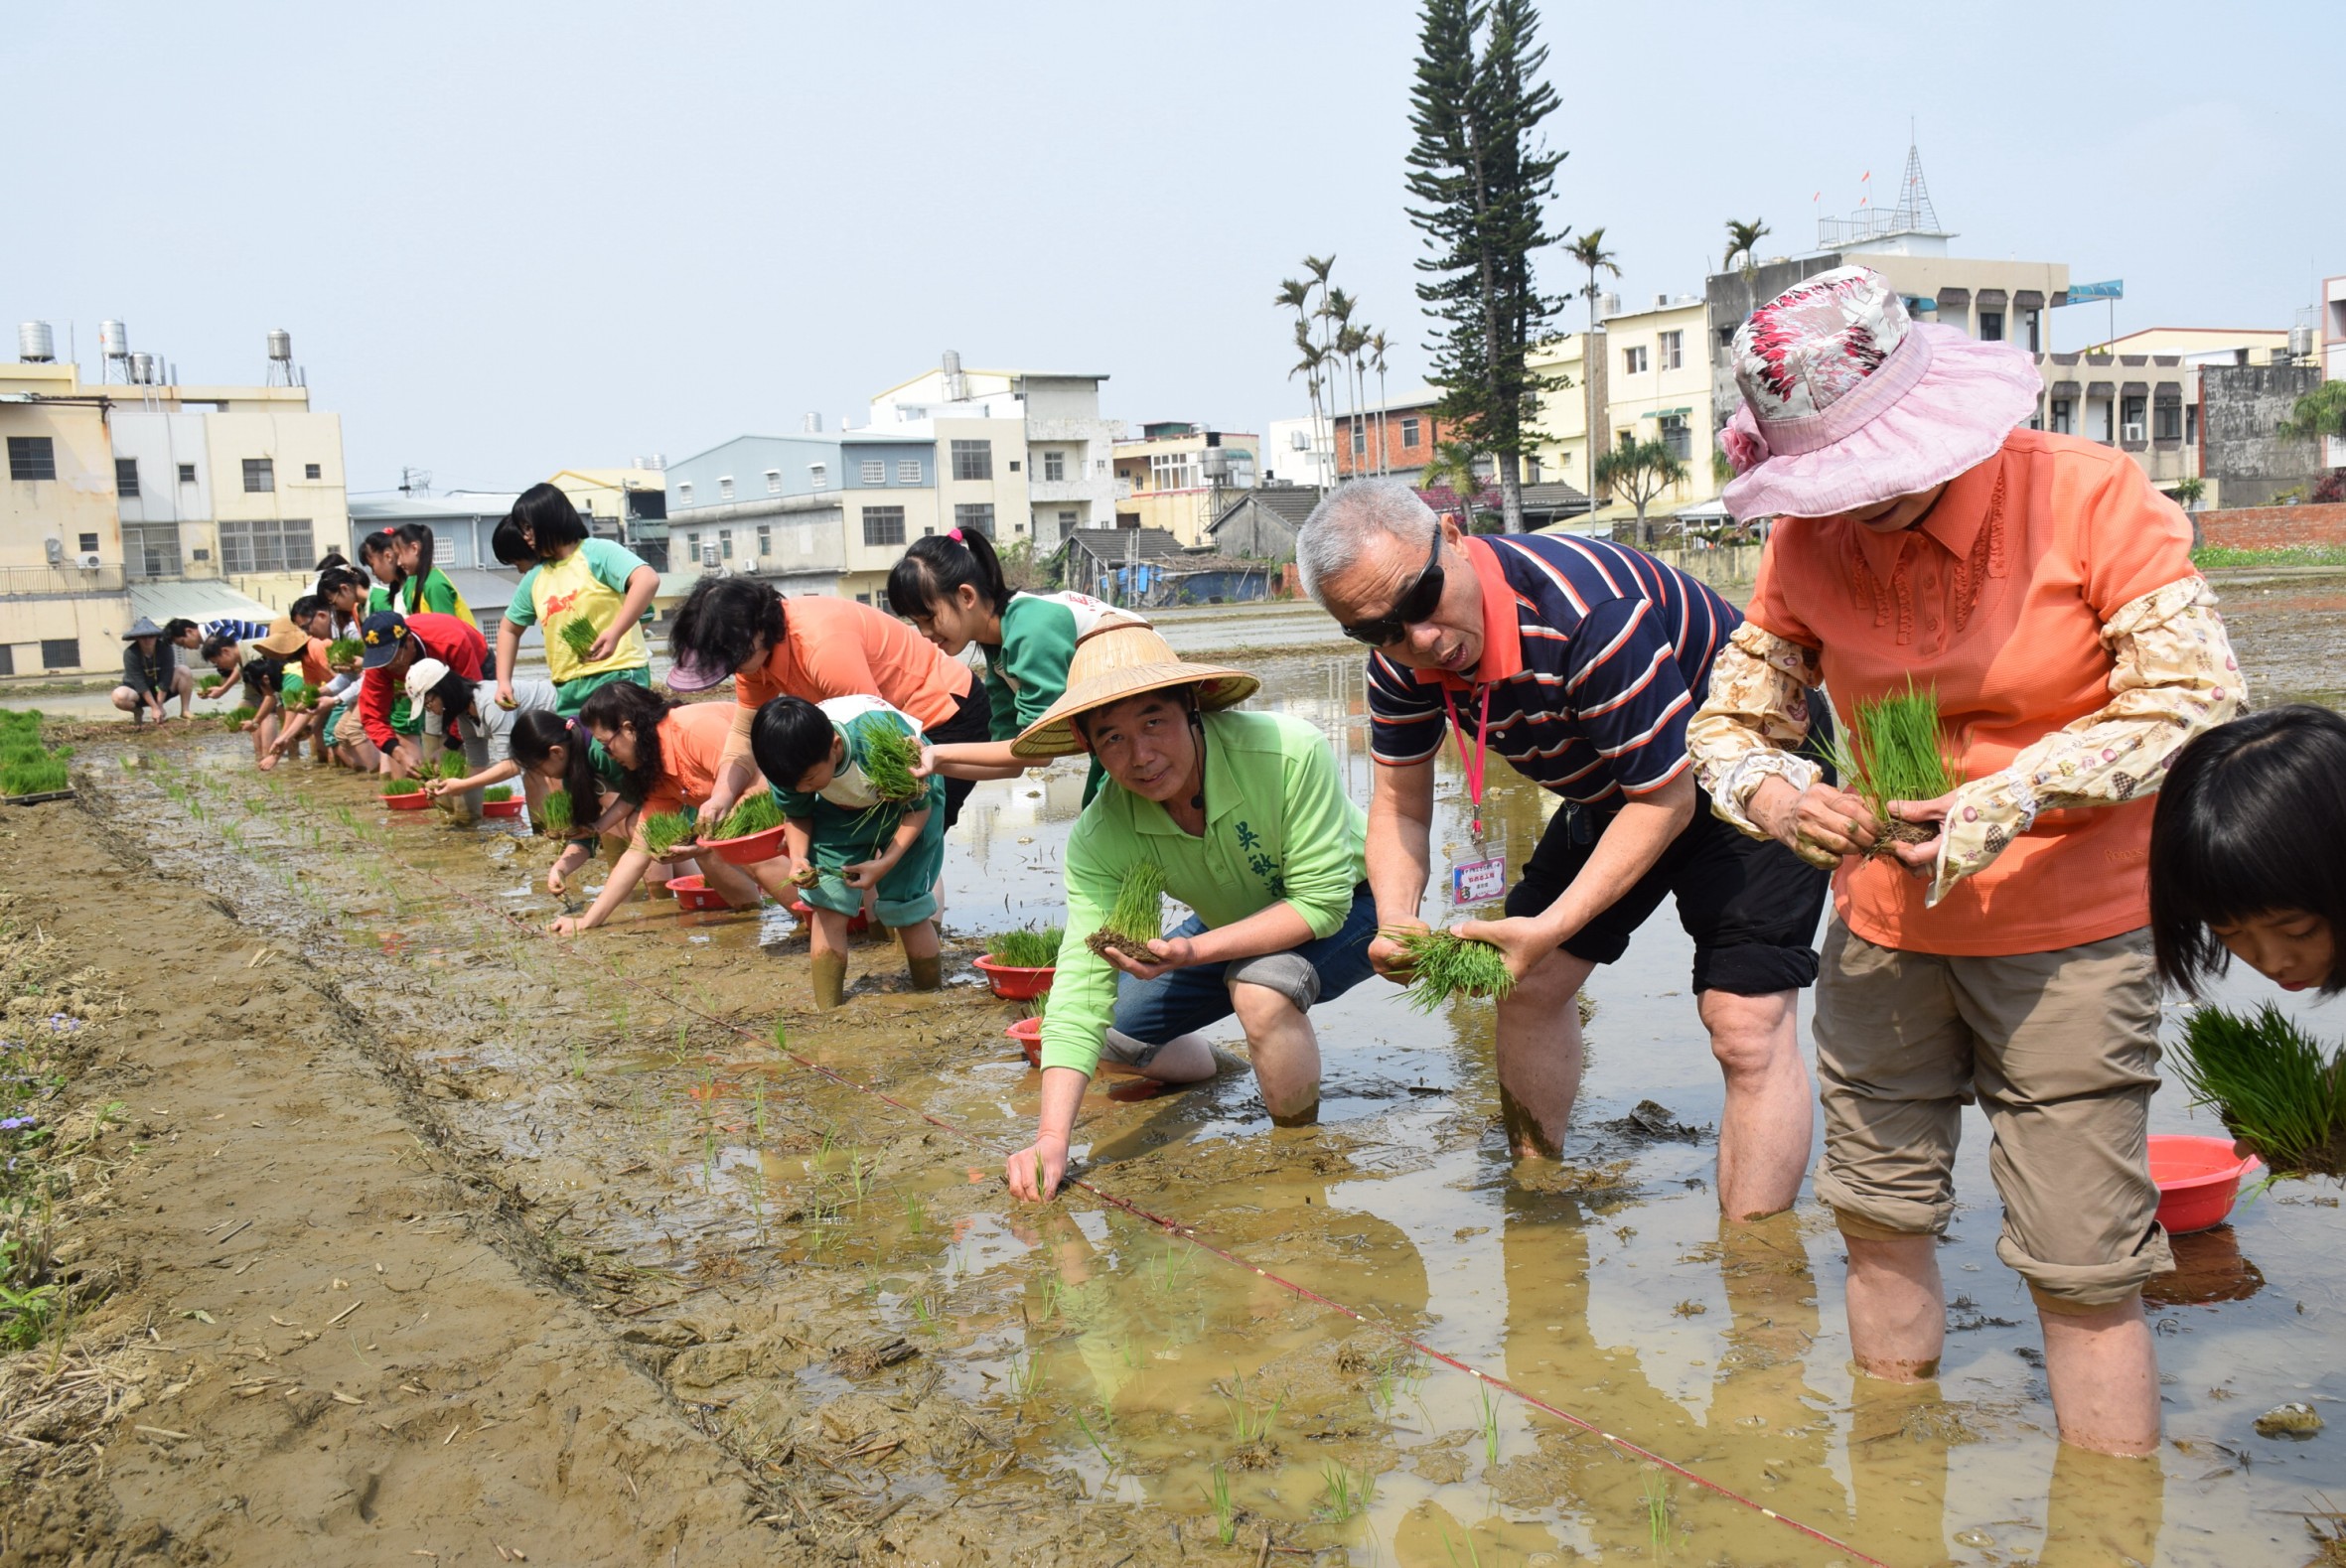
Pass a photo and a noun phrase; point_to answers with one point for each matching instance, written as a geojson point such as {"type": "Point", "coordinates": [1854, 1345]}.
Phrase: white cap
{"type": "Point", "coordinates": [422, 676]}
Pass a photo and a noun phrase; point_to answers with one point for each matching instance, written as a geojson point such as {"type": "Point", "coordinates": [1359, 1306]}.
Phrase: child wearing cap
{"type": "Point", "coordinates": [844, 839]}
{"type": "Point", "coordinates": [393, 645]}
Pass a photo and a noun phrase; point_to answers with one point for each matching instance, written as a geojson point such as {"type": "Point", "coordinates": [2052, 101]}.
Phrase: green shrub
{"type": "Point", "coordinates": [2274, 1086]}
{"type": "Point", "coordinates": [1026, 947]}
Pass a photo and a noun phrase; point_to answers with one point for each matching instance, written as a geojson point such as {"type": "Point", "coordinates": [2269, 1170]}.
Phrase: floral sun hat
{"type": "Point", "coordinates": [1848, 402]}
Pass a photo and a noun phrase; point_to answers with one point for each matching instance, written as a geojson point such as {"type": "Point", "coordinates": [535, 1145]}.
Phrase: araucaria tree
{"type": "Point", "coordinates": [1481, 176]}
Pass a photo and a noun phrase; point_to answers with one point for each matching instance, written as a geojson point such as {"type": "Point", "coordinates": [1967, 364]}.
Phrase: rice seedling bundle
{"type": "Point", "coordinates": [2276, 1086]}
{"type": "Point", "coordinates": [297, 693]}
{"type": "Point", "coordinates": [243, 712]}
{"type": "Point", "coordinates": [495, 792]}
{"type": "Point", "coordinates": [756, 814]}
{"type": "Point", "coordinates": [578, 634]}
{"type": "Point", "coordinates": [888, 757]}
{"type": "Point", "coordinates": [344, 652]}
{"type": "Point", "coordinates": [665, 830]}
{"type": "Point", "coordinates": [555, 813]}
{"type": "Point", "coordinates": [1895, 750]}
{"type": "Point", "coordinates": [1138, 917]}
{"type": "Point", "coordinates": [1026, 947]}
{"type": "Point", "coordinates": [208, 685]}
{"type": "Point", "coordinates": [38, 775]}
{"type": "Point", "coordinates": [1446, 965]}
{"type": "Point", "coordinates": [401, 785]}
{"type": "Point", "coordinates": [453, 765]}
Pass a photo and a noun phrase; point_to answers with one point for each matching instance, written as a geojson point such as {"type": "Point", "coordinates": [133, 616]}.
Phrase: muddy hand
{"type": "Point", "coordinates": [1921, 860]}
{"type": "Point", "coordinates": [565, 927]}
{"type": "Point", "coordinates": [1173, 952]}
{"type": "Point", "coordinates": [1035, 1172]}
{"type": "Point", "coordinates": [924, 766]}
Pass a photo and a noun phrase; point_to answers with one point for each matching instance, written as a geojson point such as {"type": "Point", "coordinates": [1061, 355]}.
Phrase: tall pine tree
{"type": "Point", "coordinates": [1482, 177]}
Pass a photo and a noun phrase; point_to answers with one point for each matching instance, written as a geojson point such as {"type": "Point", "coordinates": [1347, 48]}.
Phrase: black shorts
{"type": "Point", "coordinates": [972, 721]}
{"type": "Point", "coordinates": [1750, 906]}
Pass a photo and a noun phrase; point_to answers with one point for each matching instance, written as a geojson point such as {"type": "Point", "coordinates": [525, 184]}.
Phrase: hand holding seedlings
{"type": "Point", "coordinates": [1821, 824]}
{"type": "Point", "coordinates": [578, 635]}
{"type": "Point", "coordinates": [1139, 918]}
{"type": "Point", "coordinates": [2279, 1090]}
{"type": "Point", "coordinates": [1893, 755]}
{"type": "Point", "coordinates": [1447, 963]}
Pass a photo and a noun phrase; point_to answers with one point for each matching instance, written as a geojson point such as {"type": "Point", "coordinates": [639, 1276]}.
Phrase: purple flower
{"type": "Point", "coordinates": [63, 1024]}
{"type": "Point", "coordinates": [18, 1124]}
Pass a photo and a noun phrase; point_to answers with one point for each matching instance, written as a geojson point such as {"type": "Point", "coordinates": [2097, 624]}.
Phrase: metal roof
{"type": "Point", "coordinates": [198, 599]}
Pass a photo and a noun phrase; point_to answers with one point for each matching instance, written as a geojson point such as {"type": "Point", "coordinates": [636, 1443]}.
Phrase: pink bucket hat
{"type": "Point", "coordinates": [1849, 403]}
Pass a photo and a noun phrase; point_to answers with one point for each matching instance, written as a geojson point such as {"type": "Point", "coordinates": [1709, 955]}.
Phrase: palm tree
{"type": "Point", "coordinates": [1641, 471]}
{"type": "Point", "coordinates": [1376, 347]}
{"type": "Point", "coordinates": [1589, 251]}
{"type": "Point", "coordinates": [1320, 267]}
{"type": "Point", "coordinates": [1450, 468]}
{"type": "Point", "coordinates": [1335, 312]}
{"type": "Point", "coordinates": [1295, 295]}
{"type": "Point", "coordinates": [1742, 241]}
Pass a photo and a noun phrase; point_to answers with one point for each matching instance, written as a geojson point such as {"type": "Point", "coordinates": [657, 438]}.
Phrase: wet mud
{"type": "Point", "coordinates": [817, 1299]}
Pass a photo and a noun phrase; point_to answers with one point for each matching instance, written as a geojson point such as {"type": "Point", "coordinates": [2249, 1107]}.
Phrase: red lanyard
{"type": "Point", "coordinates": [1473, 766]}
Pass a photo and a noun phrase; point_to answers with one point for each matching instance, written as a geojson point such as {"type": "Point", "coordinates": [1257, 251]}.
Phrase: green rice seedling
{"type": "Point", "coordinates": [344, 652]}
{"type": "Point", "coordinates": [42, 775]}
{"type": "Point", "coordinates": [1490, 1422]}
{"type": "Point", "coordinates": [401, 785]}
{"type": "Point", "coordinates": [497, 792]}
{"type": "Point", "coordinates": [577, 1058]}
{"type": "Point", "coordinates": [667, 829]}
{"type": "Point", "coordinates": [1446, 965]}
{"type": "Point", "coordinates": [1895, 750]}
{"type": "Point", "coordinates": [860, 1175]}
{"type": "Point", "coordinates": [1343, 1494]}
{"type": "Point", "coordinates": [208, 685]}
{"type": "Point", "coordinates": [1138, 917]}
{"type": "Point", "coordinates": [756, 814]}
{"type": "Point", "coordinates": [2276, 1086]}
{"type": "Point", "coordinates": [1027, 1376]}
{"type": "Point", "coordinates": [297, 693]}
{"type": "Point", "coordinates": [578, 635]}
{"type": "Point", "coordinates": [243, 712]}
{"type": "Point", "coordinates": [453, 766]}
{"type": "Point", "coordinates": [1656, 1513]}
{"type": "Point", "coordinates": [1473, 1557]}
{"type": "Point", "coordinates": [555, 813]}
{"type": "Point", "coordinates": [916, 1213]}
{"type": "Point", "coordinates": [1248, 1424]}
{"type": "Point", "coordinates": [888, 757]}
{"type": "Point", "coordinates": [1026, 947]}
{"type": "Point", "coordinates": [1225, 1514]}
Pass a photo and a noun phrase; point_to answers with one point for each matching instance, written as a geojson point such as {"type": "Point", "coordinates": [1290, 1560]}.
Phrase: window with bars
{"type": "Point", "coordinates": [187, 472]}
{"type": "Point", "coordinates": [151, 551]}
{"type": "Point", "coordinates": [1360, 439]}
{"type": "Point", "coordinates": [126, 477]}
{"type": "Point", "coordinates": [1408, 433]}
{"type": "Point", "coordinates": [312, 470]}
{"type": "Point", "coordinates": [1054, 465]}
{"type": "Point", "coordinates": [979, 518]}
{"type": "Point", "coordinates": [818, 475]}
{"type": "Point", "coordinates": [974, 460]}
{"type": "Point", "coordinates": [32, 458]}
{"type": "Point", "coordinates": [2167, 418]}
{"type": "Point", "coordinates": [265, 545]}
{"type": "Point", "coordinates": [725, 544]}
{"type": "Point", "coordinates": [1677, 436]}
{"type": "Point", "coordinates": [1674, 350]}
{"type": "Point", "coordinates": [875, 471]}
{"type": "Point", "coordinates": [907, 470]}
{"type": "Point", "coordinates": [883, 524]}
{"type": "Point", "coordinates": [260, 476]}
{"type": "Point", "coordinates": [60, 652]}
{"type": "Point", "coordinates": [1633, 360]}
{"type": "Point", "coordinates": [764, 540]}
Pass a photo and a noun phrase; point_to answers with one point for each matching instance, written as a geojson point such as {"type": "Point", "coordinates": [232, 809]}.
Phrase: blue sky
{"type": "Point", "coordinates": [512, 238]}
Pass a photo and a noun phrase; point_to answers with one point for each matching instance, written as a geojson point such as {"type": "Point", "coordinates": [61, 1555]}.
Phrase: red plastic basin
{"type": "Point", "coordinates": [510, 806]}
{"type": "Point", "coordinates": [417, 801]}
{"type": "Point", "coordinates": [1014, 984]}
{"type": "Point", "coordinates": [857, 923]}
{"type": "Point", "coordinates": [2198, 1178]}
{"type": "Point", "coordinates": [749, 849]}
{"type": "Point", "coordinates": [694, 892]}
{"type": "Point", "coordinates": [1028, 1032]}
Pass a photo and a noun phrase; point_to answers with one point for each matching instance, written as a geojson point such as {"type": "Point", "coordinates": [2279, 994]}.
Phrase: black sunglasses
{"type": "Point", "coordinates": [1415, 604]}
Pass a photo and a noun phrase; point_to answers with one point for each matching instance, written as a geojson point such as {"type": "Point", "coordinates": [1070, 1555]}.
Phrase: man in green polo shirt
{"type": "Point", "coordinates": [1246, 815]}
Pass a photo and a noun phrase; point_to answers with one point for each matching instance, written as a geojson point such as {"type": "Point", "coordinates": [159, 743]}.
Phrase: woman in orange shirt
{"type": "Point", "coordinates": [816, 647]}
{"type": "Point", "coordinates": [2046, 596]}
{"type": "Point", "coordinates": [669, 758]}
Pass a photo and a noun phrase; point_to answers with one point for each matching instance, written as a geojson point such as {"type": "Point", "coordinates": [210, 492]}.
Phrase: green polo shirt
{"type": "Point", "coordinates": [1278, 827]}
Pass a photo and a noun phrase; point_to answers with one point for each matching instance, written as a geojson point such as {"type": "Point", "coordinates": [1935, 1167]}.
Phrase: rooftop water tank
{"type": "Point", "coordinates": [113, 339]}
{"type": "Point", "coordinates": [811, 424]}
{"type": "Point", "coordinates": [35, 342]}
{"type": "Point", "coordinates": [142, 369]}
{"type": "Point", "coordinates": [280, 346]}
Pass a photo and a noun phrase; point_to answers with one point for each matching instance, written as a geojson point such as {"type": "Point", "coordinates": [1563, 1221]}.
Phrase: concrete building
{"type": "Point", "coordinates": [2333, 355]}
{"type": "Point", "coordinates": [1260, 524]}
{"type": "Point", "coordinates": [1061, 475]}
{"type": "Point", "coordinates": [153, 496]}
{"type": "Point", "coordinates": [1178, 475]}
{"type": "Point", "coordinates": [2241, 451]}
{"type": "Point", "coordinates": [1394, 436]}
{"type": "Point", "coordinates": [628, 504]}
{"type": "Point", "coordinates": [1297, 452]}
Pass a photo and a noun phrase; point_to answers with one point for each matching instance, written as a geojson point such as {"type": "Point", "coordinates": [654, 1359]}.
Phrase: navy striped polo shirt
{"type": "Point", "coordinates": [1608, 658]}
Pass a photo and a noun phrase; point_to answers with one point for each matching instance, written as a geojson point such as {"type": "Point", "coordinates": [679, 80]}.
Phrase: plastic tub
{"type": "Point", "coordinates": [694, 892]}
{"type": "Point", "coordinates": [512, 807]}
{"type": "Point", "coordinates": [1028, 1032]}
{"type": "Point", "coordinates": [1014, 984]}
{"type": "Point", "coordinates": [749, 849]}
{"type": "Point", "coordinates": [416, 801]}
{"type": "Point", "coordinates": [2198, 1179]}
{"type": "Point", "coordinates": [857, 923]}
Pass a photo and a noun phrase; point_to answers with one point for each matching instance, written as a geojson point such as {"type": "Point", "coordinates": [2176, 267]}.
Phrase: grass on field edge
{"type": "Point", "coordinates": [2219, 557]}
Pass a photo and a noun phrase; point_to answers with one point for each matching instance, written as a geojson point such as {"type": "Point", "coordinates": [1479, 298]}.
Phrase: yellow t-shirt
{"type": "Point", "coordinates": [590, 584]}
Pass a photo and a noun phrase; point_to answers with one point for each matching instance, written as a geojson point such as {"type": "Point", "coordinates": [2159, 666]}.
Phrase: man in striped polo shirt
{"type": "Point", "coordinates": [1581, 662]}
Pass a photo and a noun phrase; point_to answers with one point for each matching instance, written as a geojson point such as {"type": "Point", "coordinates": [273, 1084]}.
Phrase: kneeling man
{"type": "Point", "coordinates": [1246, 815]}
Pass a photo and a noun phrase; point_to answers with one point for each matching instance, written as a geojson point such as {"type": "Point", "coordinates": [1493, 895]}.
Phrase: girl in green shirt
{"type": "Point", "coordinates": [951, 587]}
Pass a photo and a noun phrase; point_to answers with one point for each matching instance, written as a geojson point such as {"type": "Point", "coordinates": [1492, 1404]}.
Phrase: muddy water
{"type": "Point", "coordinates": [749, 1208]}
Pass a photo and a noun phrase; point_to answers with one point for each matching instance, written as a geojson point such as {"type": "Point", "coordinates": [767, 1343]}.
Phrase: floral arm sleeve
{"type": "Point", "coordinates": [1756, 713]}
{"type": "Point", "coordinates": [2176, 677]}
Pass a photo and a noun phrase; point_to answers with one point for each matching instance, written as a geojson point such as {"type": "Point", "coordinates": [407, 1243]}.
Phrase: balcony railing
{"type": "Point", "coordinates": [54, 581]}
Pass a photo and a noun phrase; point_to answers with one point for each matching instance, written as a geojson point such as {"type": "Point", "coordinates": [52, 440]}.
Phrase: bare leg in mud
{"type": "Point", "coordinates": [1285, 1052]}
{"type": "Point", "coordinates": [1766, 1125]}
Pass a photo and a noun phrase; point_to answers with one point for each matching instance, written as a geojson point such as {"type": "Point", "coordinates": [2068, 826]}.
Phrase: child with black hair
{"type": "Point", "coordinates": [951, 589]}
{"type": "Point", "coordinates": [572, 579]}
{"type": "Point", "coordinates": [2247, 852]}
{"type": "Point", "coordinates": [449, 696]}
{"type": "Point", "coordinates": [558, 751]}
{"type": "Point", "coordinates": [843, 840]}
{"type": "Point", "coordinates": [667, 759]}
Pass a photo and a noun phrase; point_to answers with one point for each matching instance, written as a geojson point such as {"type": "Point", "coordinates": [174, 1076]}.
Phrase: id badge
{"type": "Point", "coordinates": [1474, 882]}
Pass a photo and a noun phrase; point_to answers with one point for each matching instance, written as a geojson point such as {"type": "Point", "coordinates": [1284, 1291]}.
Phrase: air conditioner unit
{"type": "Point", "coordinates": [87, 560]}
{"type": "Point", "coordinates": [748, 566]}
{"type": "Point", "coordinates": [711, 560]}
{"type": "Point", "coordinates": [2133, 432]}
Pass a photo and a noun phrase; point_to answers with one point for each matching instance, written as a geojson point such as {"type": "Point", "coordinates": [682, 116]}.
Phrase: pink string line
{"type": "Point", "coordinates": [1189, 1233]}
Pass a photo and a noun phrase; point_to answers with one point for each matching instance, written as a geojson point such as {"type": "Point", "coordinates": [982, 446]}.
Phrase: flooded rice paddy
{"type": "Point", "coordinates": [809, 1264]}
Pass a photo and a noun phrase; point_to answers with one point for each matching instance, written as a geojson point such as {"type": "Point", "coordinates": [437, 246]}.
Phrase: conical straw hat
{"type": "Point", "coordinates": [1120, 660]}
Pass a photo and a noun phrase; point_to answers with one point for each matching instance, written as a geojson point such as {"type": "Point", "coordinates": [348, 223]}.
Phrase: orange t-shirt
{"type": "Point", "coordinates": [1997, 600]}
{"type": "Point", "coordinates": [691, 742]}
{"type": "Point", "coordinates": [837, 647]}
{"type": "Point", "coordinates": [312, 662]}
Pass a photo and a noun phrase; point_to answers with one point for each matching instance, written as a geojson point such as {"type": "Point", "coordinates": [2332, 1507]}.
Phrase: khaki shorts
{"type": "Point", "coordinates": [2061, 1050]}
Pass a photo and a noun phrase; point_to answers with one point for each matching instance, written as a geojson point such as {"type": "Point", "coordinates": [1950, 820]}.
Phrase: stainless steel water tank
{"type": "Point", "coordinates": [280, 346]}
{"type": "Point", "coordinates": [113, 339]}
{"type": "Point", "coordinates": [35, 342]}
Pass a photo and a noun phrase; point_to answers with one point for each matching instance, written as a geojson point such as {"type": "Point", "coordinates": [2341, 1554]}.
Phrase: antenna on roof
{"type": "Point", "coordinates": [1914, 196]}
